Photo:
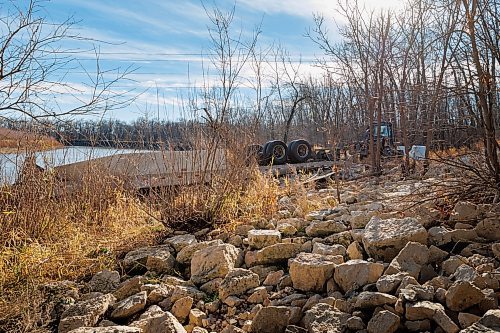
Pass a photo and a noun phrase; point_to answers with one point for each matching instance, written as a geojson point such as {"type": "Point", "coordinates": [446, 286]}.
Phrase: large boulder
{"type": "Point", "coordinates": [371, 299]}
{"type": "Point", "coordinates": [331, 250]}
{"type": "Point", "coordinates": [258, 239]}
{"type": "Point", "coordinates": [489, 323]}
{"type": "Point", "coordinates": [105, 281]}
{"type": "Point", "coordinates": [155, 320]}
{"type": "Point", "coordinates": [274, 254]}
{"type": "Point", "coordinates": [129, 306]}
{"type": "Point", "coordinates": [434, 311]}
{"type": "Point", "coordinates": [323, 317]}
{"type": "Point", "coordinates": [237, 282]}
{"type": "Point", "coordinates": [489, 228]}
{"type": "Point", "coordinates": [462, 295]}
{"type": "Point", "coordinates": [324, 228]}
{"type": "Point", "coordinates": [354, 274]}
{"type": "Point", "coordinates": [309, 272]}
{"type": "Point", "coordinates": [383, 322]}
{"type": "Point", "coordinates": [383, 239]}
{"type": "Point", "coordinates": [153, 258]}
{"type": "Point", "coordinates": [181, 241]}
{"type": "Point", "coordinates": [129, 287]}
{"type": "Point", "coordinates": [181, 308]}
{"type": "Point", "coordinates": [271, 319]}
{"type": "Point", "coordinates": [410, 259]}
{"type": "Point", "coordinates": [85, 313]}
{"type": "Point", "coordinates": [186, 253]}
{"type": "Point", "coordinates": [464, 211]}
{"type": "Point", "coordinates": [213, 262]}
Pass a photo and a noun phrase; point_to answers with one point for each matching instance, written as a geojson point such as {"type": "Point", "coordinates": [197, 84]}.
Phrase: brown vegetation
{"type": "Point", "coordinates": [14, 141]}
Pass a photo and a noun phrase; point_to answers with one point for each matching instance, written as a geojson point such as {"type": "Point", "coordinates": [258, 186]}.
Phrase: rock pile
{"type": "Point", "coordinates": [362, 267]}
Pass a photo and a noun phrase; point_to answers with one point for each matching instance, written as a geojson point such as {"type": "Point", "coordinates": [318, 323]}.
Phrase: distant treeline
{"type": "Point", "coordinates": [140, 134]}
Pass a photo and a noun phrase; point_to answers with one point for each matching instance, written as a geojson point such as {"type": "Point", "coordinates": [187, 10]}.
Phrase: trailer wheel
{"type": "Point", "coordinates": [299, 151]}
{"type": "Point", "coordinates": [275, 152]}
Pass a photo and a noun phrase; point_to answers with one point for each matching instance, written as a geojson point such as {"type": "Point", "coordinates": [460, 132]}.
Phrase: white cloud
{"type": "Point", "coordinates": [305, 8]}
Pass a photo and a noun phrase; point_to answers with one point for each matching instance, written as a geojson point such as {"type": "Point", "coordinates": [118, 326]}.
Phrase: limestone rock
{"type": "Point", "coordinates": [105, 281]}
{"type": "Point", "coordinates": [334, 250]}
{"type": "Point", "coordinates": [213, 262]}
{"type": "Point", "coordinates": [237, 282]}
{"type": "Point", "coordinates": [389, 283]}
{"type": "Point", "coordinates": [489, 228]}
{"type": "Point", "coordinates": [181, 241]}
{"type": "Point", "coordinates": [186, 253]}
{"type": "Point", "coordinates": [418, 325]}
{"type": "Point", "coordinates": [467, 319]}
{"type": "Point", "coordinates": [439, 236]}
{"type": "Point", "coordinates": [271, 319]}
{"type": "Point", "coordinates": [428, 310]}
{"type": "Point", "coordinates": [129, 306]}
{"type": "Point", "coordinates": [383, 322]}
{"type": "Point", "coordinates": [422, 310]}
{"type": "Point", "coordinates": [183, 291]}
{"type": "Point", "coordinates": [354, 251]}
{"type": "Point", "coordinates": [357, 273]}
{"type": "Point", "coordinates": [277, 253]}
{"type": "Point", "coordinates": [355, 323]}
{"type": "Point", "coordinates": [464, 211]}
{"type": "Point", "coordinates": [491, 319]}
{"type": "Point", "coordinates": [410, 259]}
{"type": "Point", "coordinates": [286, 229]}
{"type": "Point", "coordinates": [196, 317]}
{"type": "Point", "coordinates": [157, 322]}
{"type": "Point", "coordinates": [324, 228]}
{"type": "Point", "coordinates": [495, 248]}
{"type": "Point", "coordinates": [85, 313]}
{"type": "Point", "coordinates": [383, 239]}
{"type": "Point", "coordinates": [157, 292]}
{"type": "Point", "coordinates": [360, 218]}
{"type": "Point", "coordinates": [153, 258]}
{"type": "Point", "coordinates": [325, 318]}
{"type": "Point", "coordinates": [309, 272]}
{"type": "Point", "coordinates": [462, 295]}
{"type": "Point", "coordinates": [415, 293]}
{"type": "Point", "coordinates": [107, 329]}
{"type": "Point", "coordinates": [182, 307]}
{"type": "Point", "coordinates": [258, 239]}
{"type": "Point", "coordinates": [273, 278]}
{"type": "Point", "coordinates": [343, 238]}
{"type": "Point", "coordinates": [370, 299]}
{"type": "Point", "coordinates": [129, 287]}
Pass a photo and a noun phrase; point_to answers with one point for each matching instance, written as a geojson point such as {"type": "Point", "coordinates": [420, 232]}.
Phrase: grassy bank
{"type": "Point", "coordinates": [50, 233]}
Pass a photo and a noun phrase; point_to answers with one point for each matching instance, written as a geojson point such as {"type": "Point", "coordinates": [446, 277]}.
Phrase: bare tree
{"type": "Point", "coordinates": [35, 68]}
{"type": "Point", "coordinates": [287, 85]}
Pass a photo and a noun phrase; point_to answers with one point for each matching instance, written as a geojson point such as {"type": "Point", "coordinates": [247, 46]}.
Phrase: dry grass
{"type": "Point", "coordinates": [47, 237]}
{"type": "Point", "coordinates": [50, 231]}
{"type": "Point", "coordinates": [12, 141]}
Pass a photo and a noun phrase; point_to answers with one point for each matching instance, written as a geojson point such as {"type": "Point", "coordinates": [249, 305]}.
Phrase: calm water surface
{"type": "Point", "coordinates": [10, 164]}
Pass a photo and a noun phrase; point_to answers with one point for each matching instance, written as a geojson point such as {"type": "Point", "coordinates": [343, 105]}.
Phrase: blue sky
{"type": "Point", "coordinates": [166, 41]}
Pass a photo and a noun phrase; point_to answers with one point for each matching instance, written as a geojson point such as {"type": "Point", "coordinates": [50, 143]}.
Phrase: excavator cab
{"type": "Point", "coordinates": [386, 138]}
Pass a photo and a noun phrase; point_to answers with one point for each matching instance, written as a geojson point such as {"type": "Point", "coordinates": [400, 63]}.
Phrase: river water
{"type": "Point", "coordinates": [11, 164]}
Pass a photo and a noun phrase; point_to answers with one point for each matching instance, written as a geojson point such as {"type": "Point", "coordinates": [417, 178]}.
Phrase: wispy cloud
{"type": "Point", "coordinates": [305, 8]}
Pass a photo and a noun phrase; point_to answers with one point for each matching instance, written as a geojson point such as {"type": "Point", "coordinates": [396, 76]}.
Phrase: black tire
{"type": "Point", "coordinates": [299, 151]}
{"type": "Point", "coordinates": [275, 152]}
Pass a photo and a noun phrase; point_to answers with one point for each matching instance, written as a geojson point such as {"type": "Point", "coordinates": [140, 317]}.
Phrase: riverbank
{"type": "Point", "coordinates": [12, 141]}
{"type": "Point", "coordinates": [285, 256]}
